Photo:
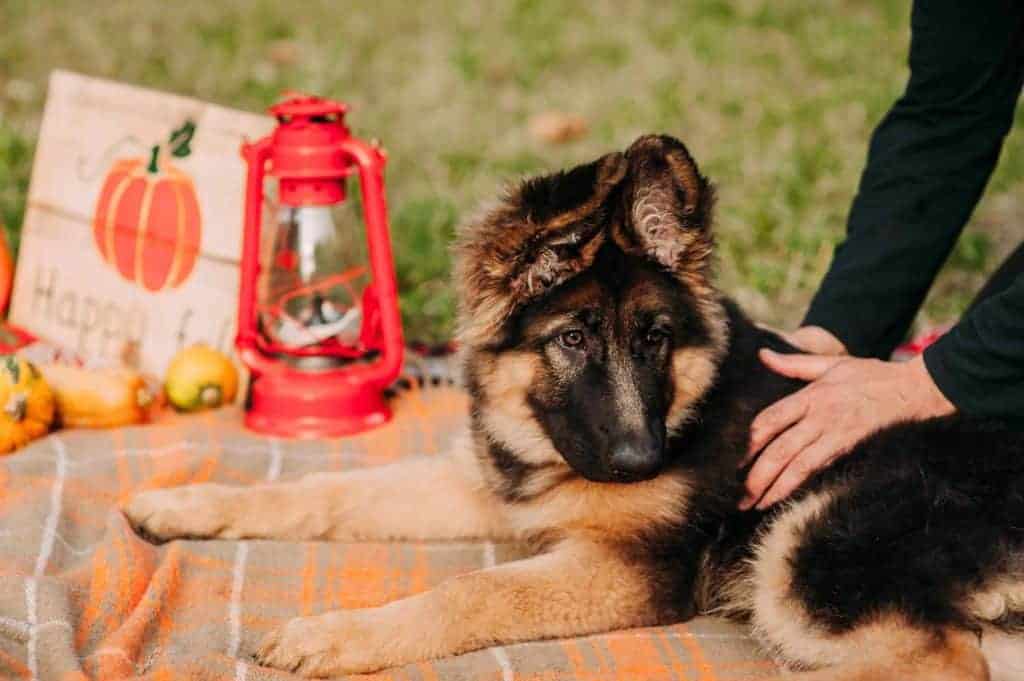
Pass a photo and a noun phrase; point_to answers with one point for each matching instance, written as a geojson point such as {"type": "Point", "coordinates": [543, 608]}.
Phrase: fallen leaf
{"type": "Point", "coordinates": [283, 52]}
{"type": "Point", "coordinates": [557, 127]}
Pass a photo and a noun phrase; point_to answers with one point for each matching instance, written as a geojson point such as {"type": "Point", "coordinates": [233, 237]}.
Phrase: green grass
{"type": "Point", "coordinates": [776, 98]}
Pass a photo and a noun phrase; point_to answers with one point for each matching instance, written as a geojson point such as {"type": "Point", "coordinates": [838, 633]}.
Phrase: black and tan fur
{"type": "Point", "coordinates": [612, 392]}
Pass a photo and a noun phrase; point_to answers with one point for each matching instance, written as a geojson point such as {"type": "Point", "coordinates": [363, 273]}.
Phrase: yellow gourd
{"type": "Point", "coordinates": [200, 377]}
{"type": "Point", "coordinates": [26, 403]}
{"type": "Point", "coordinates": [98, 398]}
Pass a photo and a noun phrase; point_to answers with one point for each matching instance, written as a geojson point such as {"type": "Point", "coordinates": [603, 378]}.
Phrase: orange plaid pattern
{"type": "Point", "coordinates": [82, 597]}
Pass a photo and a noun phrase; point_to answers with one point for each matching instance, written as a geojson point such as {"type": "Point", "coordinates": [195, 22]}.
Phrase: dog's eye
{"type": "Point", "coordinates": [655, 336]}
{"type": "Point", "coordinates": [571, 339]}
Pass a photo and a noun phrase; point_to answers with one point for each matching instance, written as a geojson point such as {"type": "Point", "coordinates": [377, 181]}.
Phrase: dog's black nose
{"type": "Point", "coordinates": [636, 457]}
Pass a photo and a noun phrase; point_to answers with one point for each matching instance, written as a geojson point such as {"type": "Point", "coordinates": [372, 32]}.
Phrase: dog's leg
{"type": "Point", "coordinates": [892, 651]}
{"type": "Point", "coordinates": [883, 646]}
{"type": "Point", "coordinates": [438, 497]}
{"type": "Point", "coordinates": [577, 588]}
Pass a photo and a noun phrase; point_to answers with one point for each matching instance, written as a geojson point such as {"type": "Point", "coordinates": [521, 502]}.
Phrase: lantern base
{"type": "Point", "coordinates": [307, 407]}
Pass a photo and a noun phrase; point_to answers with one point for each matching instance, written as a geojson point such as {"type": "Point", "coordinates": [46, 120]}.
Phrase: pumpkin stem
{"type": "Point", "coordinates": [16, 407]}
{"type": "Point", "coordinates": [144, 397]}
{"type": "Point", "coordinates": [178, 143]}
{"type": "Point", "coordinates": [210, 396]}
{"type": "Point", "coordinates": [153, 155]}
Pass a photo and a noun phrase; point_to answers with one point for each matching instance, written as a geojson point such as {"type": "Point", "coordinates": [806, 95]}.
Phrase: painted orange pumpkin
{"type": "Point", "coordinates": [147, 223]}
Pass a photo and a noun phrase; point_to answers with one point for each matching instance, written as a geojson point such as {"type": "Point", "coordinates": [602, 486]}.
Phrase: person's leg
{"type": "Point", "coordinates": [1001, 279]}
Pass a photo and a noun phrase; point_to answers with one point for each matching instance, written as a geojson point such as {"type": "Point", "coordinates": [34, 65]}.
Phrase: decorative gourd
{"type": "Point", "coordinates": [147, 223]}
{"type": "Point", "coordinates": [98, 398]}
{"type": "Point", "coordinates": [200, 377]}
{"type": "Point", "coordinates": [26, 403]}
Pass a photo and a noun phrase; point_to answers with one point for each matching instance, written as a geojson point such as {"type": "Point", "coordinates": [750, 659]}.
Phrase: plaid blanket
{"type": "Point", "coordinates": [82, 597]}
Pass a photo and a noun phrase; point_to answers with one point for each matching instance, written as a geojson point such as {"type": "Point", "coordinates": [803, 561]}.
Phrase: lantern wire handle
{"type": "Point", "coordinates": [277, 310]}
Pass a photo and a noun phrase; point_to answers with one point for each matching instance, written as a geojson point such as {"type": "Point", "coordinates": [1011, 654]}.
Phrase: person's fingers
{"type": "Point", "coordinates": [773, 420]}
{"type": "Point", "coordinates": [776, 459]}
{"type": "Point", "coordinates": [809, 461]}
{"type": "Point", "coordinates": [778, 454]}
{"type": "Point", "coordinates": [803, 367]}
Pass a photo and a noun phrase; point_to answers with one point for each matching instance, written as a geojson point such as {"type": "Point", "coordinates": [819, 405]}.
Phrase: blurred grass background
{"type": "Point", "coordinates": [776, 98]}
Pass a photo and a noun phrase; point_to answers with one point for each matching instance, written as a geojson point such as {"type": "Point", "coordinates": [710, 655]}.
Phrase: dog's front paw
{"type": "Point", "coordinates": [199, 511]}
{"type": "Point", "coordinates": [340, 642]}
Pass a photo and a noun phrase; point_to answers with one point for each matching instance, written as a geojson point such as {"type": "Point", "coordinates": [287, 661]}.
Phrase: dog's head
{"type": "Point", "coordinates": [587, 312]}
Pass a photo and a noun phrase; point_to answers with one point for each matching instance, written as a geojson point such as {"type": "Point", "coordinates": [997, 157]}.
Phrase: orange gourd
{"type": "Point", "coordinates": [26, 403]}
{"type": "Point", "coordinates": [98, 398]}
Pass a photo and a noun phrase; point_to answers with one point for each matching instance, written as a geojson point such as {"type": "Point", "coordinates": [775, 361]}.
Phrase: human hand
{"type": "Point", "coordinates": [847, 400]}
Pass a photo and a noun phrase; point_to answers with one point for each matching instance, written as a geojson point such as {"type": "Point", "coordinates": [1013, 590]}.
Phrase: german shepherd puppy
{"type": "Point", "coordinates": [613, 388]}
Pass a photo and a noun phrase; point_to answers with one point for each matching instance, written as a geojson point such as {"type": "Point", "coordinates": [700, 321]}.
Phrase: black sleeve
{"type": "Point", "coordinates": [928, 163]}
{"type": "Point", "coordinates": [979, 364]}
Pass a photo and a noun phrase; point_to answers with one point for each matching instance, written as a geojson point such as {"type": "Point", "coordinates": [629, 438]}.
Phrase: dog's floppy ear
{"type": "Point", "coordinates": [668, 207]}
{"type": "Point", "coordinates": [545, 231]}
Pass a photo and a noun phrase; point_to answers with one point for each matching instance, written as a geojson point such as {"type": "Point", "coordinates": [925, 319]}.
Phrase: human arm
{"type": "Point", "coordinates": [979, 364]}
{"type": "Point", "coordinates": [928, 163]}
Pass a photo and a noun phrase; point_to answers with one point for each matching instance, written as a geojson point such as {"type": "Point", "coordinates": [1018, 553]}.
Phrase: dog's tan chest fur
{"type": "Point", "coordinates": [608, 512]}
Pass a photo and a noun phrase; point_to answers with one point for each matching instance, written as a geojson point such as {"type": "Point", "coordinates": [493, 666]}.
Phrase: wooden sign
{"type": "Point", "coordinates": [132, 232]}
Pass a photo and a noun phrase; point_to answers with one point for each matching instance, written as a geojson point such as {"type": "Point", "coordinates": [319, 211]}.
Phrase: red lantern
{"type": "Point", "coordinates": [318, 325]}
{"type": "Point", "coordinates": [147, 221]}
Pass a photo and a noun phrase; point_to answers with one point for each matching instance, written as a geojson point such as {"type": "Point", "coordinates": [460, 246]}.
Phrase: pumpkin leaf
{"type": "Point", "coordinates": [181, 138]}
{"type": "Point", "coordinates": [13, 368]}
